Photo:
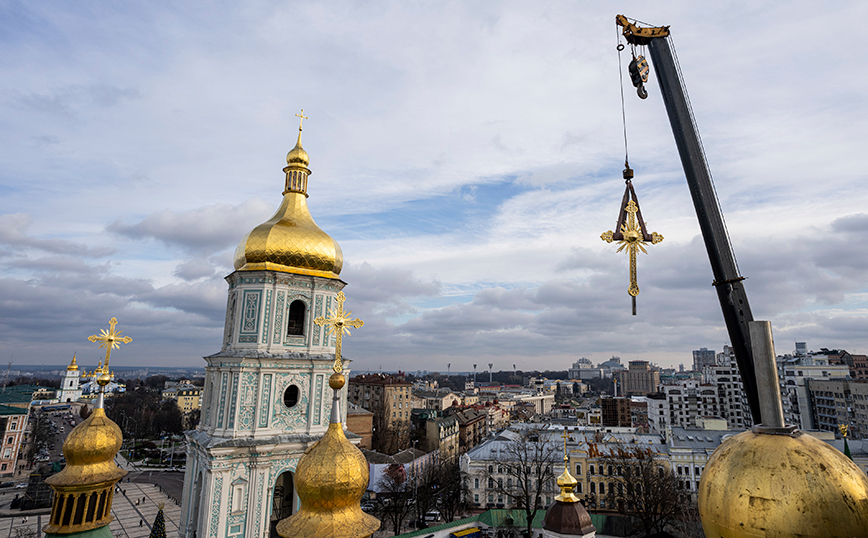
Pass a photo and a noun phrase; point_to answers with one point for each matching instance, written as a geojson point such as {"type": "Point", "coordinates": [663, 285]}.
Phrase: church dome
{"type": "Point", "coordinates": [330, 479]}
{"type": "Point", "coordinates": [290, 241]}
{"type": "Point", "coordinates": [72, 366]}
{"type": "Point", "coordinates": [90, 449]}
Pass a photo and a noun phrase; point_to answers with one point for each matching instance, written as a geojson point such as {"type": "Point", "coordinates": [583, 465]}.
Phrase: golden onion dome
{"type": "Point", "coordinates": [330, 480]}
{"type": "Point", "coordinates": [90, 449]}
{"type": "Point", "coordinates": [290, 241]}
{"type": "Point", "coordinates": [297, 155]}
{"type": "Point", "coordinates": [758, 484]}
{"type": "Point", "coordinates": [567, 483]}
{"type": "Point", "coordinates": [72, 366]}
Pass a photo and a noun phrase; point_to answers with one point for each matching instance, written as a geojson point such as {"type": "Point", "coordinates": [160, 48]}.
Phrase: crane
{"type": "Point", "coordinates": [727, 280]}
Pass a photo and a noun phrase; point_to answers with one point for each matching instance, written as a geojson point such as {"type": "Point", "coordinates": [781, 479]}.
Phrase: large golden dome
{"type": "Point", "coordinates": [759, 485]}
{"type": "Point", "coordinates": [290, 241]}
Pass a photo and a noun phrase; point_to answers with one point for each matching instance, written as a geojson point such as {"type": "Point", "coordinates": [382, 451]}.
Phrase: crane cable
{"type": "Point", "coordinates": [620, 47]}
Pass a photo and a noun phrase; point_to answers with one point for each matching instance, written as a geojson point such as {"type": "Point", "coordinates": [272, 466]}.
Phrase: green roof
{"type": "Point", "coordinates": [498, 517]}
{"type": "Point", "coordinates": [492, 518]}
{"type": "Point", "coordinates": [9, 410]}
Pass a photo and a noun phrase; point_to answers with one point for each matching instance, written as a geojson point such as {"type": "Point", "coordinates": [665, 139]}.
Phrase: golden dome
{"type": "Point", "coordinates": [297, 155]}
{"type": "Point", "coordinates": [72, 366]}
{"type": "Point", "coordinates": [330, 479]}
{"type": "Point", "coordinates": [85, 486]}
{"type": "Point", "coordinates": [789, 485]}
{"type": "Point", "coordinates": [90, 449]}
{"type": "Point", "coordinates": [567, 484]}
{"type": "Point", "coordinates": [290, 241]}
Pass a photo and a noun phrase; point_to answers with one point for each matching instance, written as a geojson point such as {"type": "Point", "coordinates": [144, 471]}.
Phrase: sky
{"type": "Point", "coordinates": [465, 155]}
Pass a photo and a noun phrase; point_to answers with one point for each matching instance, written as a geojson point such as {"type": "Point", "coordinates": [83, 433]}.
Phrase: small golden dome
{"type": "Point", "coordinates": [567, 483]}
{"type": "Point", "coordinates": [72, 366]}
{"type": "Point", "coordinates": [297, 155]}
{"type": "Point", "coordinates": [789, 485]}
{"type": "Point", "coordinates": [331, 478]}
{"type": "Point", "coordinates": [290, 241]}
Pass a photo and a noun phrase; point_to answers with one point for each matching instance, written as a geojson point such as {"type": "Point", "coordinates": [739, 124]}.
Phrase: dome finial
{"type": "Point", "coordinates": [566, 481]}
{"type": "Point", "coordinates": [297, 156]}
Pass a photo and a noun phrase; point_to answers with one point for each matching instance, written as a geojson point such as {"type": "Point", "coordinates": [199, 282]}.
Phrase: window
{"type": "Point", "coordinates": [476, 498]}
{"type": "Point", "coordinates": [237, 498]}
{"type": "Point", "coordinates": [680, 471]}
{"type": "Point", "coordinates": [476, 483]}
{"type": "Point", "coordinates": [491, 468]}
{"type": "Point", "coordinates": [295, 321]}
{"type": "Point", "coordinates": [579, 469]}
{"type": "Point", "coordinates": [290, 396]}
{"type": "Point", "coordinates": [602, 488]}
{"type": "Point", "coordinates": [3, 467]}
{"type": "Point", "coordinates": [610, 470]}
{"type": "Point", "coordinates": [491, 483]}
{"type": "Point", "coordinates": [590, 469]}
{"type": "Point", "coordinates": [579, 487]}
{"type": "Point", "coordinates": [10, 440]}
{"type": "Point", "coordinates": [593, 487]}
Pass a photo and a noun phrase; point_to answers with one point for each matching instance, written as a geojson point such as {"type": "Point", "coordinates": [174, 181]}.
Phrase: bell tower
{"type": "Point", "coordinates": [266, 397]}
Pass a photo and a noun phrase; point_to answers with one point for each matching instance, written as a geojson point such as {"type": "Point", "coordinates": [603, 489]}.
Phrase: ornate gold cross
{"type": "Point", "coordinates": [630, 237]}
{"type": "Point", "coordinates": [109, 340]}
{"type": "Point", "coordinates": [338, 323]}
{"type": "Point", "coordinates": [301, 117]}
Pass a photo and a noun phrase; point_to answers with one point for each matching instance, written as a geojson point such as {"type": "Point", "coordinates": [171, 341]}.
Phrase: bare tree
{"type": "Point", "coordinates": [390, 439]}
{"type": "Point", "coordinates": [394, 499]}
{"type": "Point", "coordinates": [453, 489]}
{"type": "Point", "coordinates": [642, 486]}
{"type": "Point", "coordinates": [525, 472]}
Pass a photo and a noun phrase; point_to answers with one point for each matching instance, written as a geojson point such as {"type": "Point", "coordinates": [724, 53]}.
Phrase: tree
{"type": "Point", "coordinates": [394, 499]}
{"type": "Point", "coordinates": [453, 489]}
{"type": "Point", "coordinates": [525, 472]}
{"type": "Point", "coordinates": [642, 486]}
{"type": "Point", "coordinates": [84, 412]}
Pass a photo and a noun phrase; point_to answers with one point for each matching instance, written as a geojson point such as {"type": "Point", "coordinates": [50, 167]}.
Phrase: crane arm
{"type": "Point", "coordinates": [727, 280]}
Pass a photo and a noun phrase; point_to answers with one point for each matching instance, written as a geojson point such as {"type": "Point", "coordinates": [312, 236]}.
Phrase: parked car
{"type": "Point", "coordinates": [7, 484]}
{"type": "Point", "coordinates": [22, 485]}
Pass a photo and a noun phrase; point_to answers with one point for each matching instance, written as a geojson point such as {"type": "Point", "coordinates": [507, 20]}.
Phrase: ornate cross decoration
{"type": "Point", "coordinates": [630, 233]}
{"type": "Point", "coordinates": [338, 322]}
{"type": "Point", "coordinates": [301, 117]}
{"type": "Point", "coordinates": [109, 340]}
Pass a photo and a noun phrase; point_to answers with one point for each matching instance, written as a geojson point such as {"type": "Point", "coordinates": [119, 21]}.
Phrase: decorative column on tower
{"type": "Point", "coordinates": [266, 397]}
{"type": "Point", "coordinates": [83, 490]}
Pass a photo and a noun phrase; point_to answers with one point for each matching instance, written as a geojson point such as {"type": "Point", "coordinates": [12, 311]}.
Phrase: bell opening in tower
{"type": "Point", "coordinates": [282, 500]}
{"type": "Point", "coordinates": [295, 323]}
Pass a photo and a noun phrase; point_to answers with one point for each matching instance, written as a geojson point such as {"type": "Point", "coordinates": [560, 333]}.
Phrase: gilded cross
{"type": "Point", "coordinates": [338, 323]}
{"type": "Point", "coordinates": [633, 236]}
{"type": "Point", "coordinates": [109, 340]}
{"type": "Point", "coordinates": [301, 117]}
{"type": "Point", "coordinates": [566, 458]}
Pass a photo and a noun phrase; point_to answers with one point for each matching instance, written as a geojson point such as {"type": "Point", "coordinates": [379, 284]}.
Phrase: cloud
{"type": "Point", "coordinates": [205, 229]}
{"type": "Point", "coordinates": [13, 233]}
{"type": "Point", "coordinates": [194, 269]}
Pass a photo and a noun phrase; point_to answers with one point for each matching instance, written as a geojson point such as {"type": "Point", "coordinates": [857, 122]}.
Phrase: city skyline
{"type": "Point", "coordinates": [465, 157]}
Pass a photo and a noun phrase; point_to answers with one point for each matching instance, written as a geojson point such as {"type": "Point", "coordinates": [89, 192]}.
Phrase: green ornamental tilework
{"type": "Point", "coordinates": [278, 318]}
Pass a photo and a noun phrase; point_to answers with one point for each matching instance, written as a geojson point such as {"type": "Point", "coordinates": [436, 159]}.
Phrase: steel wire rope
{"type": "Point", "coordinates": [619, 48]}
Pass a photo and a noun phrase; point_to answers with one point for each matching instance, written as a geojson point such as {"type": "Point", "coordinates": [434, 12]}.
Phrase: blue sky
{"type": "Point", "coordinates": [466, 156]}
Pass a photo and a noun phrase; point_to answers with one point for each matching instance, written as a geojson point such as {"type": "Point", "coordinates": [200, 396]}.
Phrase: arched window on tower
{"type": "Point", "coordinates": [295, 325]}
